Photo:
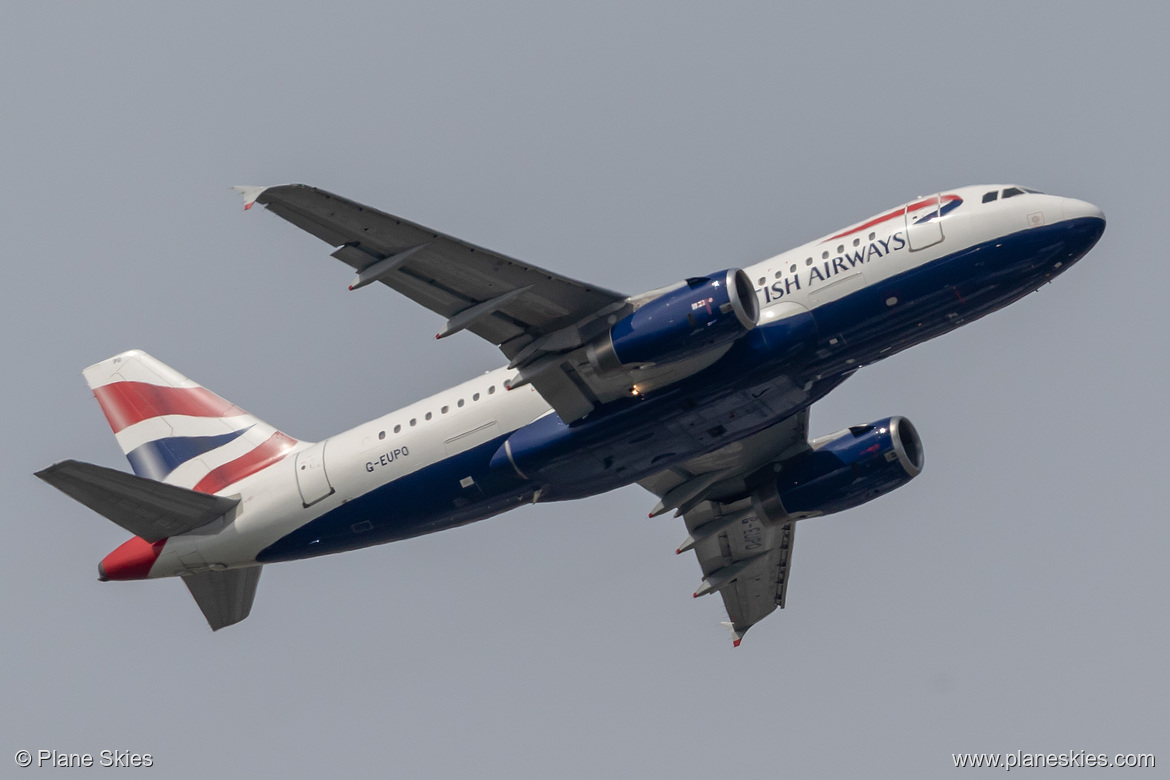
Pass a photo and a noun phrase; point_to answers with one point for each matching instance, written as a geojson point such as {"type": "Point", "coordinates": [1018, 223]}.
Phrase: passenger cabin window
{"type": "Point", "coordinates": [381, 435]}
{"type": "Point", "coordinates": [491, 389]}
{"type": "Point", "coordinates": [413, 421]}
{"type": "Point", "coordinates": [444, 409]}
{"type": "Point", "coordinates": [990, 196]}
{"type": "Point", "coordinates": [1011, 192]}
{"type": "Point", "coordinates": [397, 428]}
{"type": "Point", "coordinates": [475, 397]}
{"type": "Point", "coordinates": [460, 404]}
{"type": "Point", "coordinates": [427, 415]}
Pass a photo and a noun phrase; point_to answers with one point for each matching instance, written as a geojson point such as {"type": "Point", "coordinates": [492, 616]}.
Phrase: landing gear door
{"type": "Point", "coordinates": [924, 223]}
{"type": "Point", "coordinates": [311, 477]}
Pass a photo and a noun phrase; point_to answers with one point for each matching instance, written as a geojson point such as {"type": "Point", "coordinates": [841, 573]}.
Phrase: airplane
{"type": "Point", "coordinates": [698, 391]}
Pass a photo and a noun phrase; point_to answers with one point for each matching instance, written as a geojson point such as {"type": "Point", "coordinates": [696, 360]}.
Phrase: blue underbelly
{"type": "Point", "coordinates": [435, 497]}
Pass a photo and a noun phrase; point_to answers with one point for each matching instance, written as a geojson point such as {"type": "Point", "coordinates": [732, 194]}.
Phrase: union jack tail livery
{"type": "Point", "coordinates": [173, 430]}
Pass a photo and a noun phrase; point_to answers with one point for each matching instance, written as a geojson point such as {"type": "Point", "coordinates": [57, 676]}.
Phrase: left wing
{"type": "Point", "coordinates": [742, 539]}
{"type": "Point", "coordinates": [536, 317]}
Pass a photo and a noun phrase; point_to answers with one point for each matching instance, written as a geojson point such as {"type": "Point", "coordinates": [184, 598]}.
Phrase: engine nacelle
{"type": "Point", "coordinates": [706, 312]}
{"type": "Point", "coordinates": [847, 469]}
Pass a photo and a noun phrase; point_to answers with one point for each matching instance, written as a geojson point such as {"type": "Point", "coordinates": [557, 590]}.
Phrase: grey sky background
{"type": "Point", "coordinates": [1012, 597]}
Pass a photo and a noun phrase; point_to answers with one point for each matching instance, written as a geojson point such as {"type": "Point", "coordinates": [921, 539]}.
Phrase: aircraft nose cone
{"type": "Point", "coordinates": [1082, 228]}
{"type": "Point", "coordinates": [1080, 209]}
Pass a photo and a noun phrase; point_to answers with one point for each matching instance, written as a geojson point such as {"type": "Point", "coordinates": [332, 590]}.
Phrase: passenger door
{"type": "Point", "coordinates": [312, 480]}
{"type": "Point", "coordinates": [923, 222]}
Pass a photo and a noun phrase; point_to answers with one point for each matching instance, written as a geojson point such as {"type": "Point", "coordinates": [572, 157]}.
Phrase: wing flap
{"type": "Point", "coordinates": [750, 599]}
{"type": "Point", "coordinates": [570, 399]}
{"type": "Point", "coordinates": [146, 508]}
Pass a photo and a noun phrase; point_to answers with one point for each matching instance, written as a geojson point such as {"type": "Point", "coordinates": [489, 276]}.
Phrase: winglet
{"type": "Point", "coordinates": [250, 194]}
{"type": "Point", "coordinates": [736, 636]}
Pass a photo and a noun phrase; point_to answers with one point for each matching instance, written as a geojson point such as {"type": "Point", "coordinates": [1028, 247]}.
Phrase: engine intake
{"type": "Point", "coordinates": [706, 312]}
{"type": "Point", "coordinates": [848, 469]}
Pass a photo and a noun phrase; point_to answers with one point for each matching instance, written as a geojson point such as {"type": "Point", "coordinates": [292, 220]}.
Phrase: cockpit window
{"type": "Point", "coordinates": [1029, 189]}
{"type": "Point", "coordinates": [990, 196]}
{"type": "Point", "coordinates": [1011, 192]}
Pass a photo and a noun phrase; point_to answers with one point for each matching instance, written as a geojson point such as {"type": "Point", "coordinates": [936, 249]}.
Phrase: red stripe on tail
{"type": "Point", "coordinates": [126, 403]}
{"type": "Point", "coordinates": [275, 448]}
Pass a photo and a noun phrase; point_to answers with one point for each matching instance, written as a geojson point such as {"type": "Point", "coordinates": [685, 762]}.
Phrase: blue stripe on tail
{"type": "Point", "coordinates": [157, 459]}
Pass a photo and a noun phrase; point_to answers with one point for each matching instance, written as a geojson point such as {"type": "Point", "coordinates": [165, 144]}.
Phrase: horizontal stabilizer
{"type": "Point", "coordinates": [148, 509]}
{"type": "Point", "coordinates": [225, 597]}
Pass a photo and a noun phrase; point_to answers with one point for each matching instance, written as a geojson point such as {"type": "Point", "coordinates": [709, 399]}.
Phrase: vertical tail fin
{"type": "Point", "coordinates": [175, 431]}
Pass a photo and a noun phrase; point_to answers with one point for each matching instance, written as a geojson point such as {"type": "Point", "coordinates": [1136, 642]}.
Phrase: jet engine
{"type": "Point", "coordinates": [845, 469]}
{"type": "Point", "coordinates": [704, 313]}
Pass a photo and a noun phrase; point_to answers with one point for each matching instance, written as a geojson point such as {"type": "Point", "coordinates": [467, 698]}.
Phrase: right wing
{"type": "Point", "coordinates": [536, 317]}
